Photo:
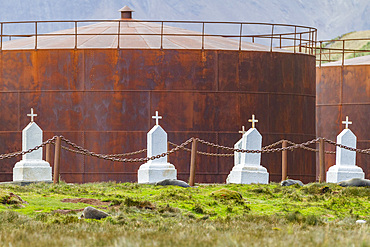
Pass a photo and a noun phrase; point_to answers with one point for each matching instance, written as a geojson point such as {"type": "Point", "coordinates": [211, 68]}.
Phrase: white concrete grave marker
{"type": "Point", "coordinates": [158, 169]}
{"type": "Point", "coordinates": [345, 163]}
{"type": "Point", "coordinates": [249, 170]}
{"type": "Point", "coordinates": [32, 168]}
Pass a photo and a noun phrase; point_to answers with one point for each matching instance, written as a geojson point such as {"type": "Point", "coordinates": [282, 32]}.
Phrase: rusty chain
{"type": "Point", "coordinates": [365, 151]}
{"type": "Point", "coordinates": [202, 153]}
{"type": "Point", "coordinates": [262, 150]}
{"type": "Point", "coordinates": [16, 154]}
{"type": "Point", "coordinates": [106, 157]}
{"type": "Point", "coordinates": [224, 155]}
{"type": "Point", "coordinates": [114, 157]}
{"type": "Point", "coordinates": [273, 145]}
{"type": "Point", "coordinates": [85, 151]}
{"type": "Point", "coordinates": [310, 149]}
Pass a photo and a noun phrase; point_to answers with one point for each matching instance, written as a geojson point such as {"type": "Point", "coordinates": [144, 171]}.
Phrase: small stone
{"type": "Point", "coordinates": [290, 182]}
{"type": "Point", "coordinates": [93, 213]}
{"type": "Point", "coordinates": [360, 221]}
{"type": "Point", "coordinates": [174, 182]}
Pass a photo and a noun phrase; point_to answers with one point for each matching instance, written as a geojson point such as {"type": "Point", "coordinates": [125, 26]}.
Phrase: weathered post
{"type": "Point", "coordinates": [58, 146]}
{"type": "Point", "coordinates": [193, 161]}
{"type": "Point", "coordinates": [284, 161]}
{"type": "Point", "coordinates": [321, 160]}
{"type": "Point", "coordinates": [48, 153]}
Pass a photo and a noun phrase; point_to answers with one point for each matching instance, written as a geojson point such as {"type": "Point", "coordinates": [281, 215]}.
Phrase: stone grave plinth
{"type": "Point", "coordinates": [158, 169]}
{"type": "Point", "coordinates": [345, 163]}
{"type": "Point", "coordinates": [32, 168]}
{"type": "Point", "coordinates": [247, 166]}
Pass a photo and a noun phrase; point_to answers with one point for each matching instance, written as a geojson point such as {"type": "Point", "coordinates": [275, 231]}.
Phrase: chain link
{"type": "Point", "coordinates": [273, 145]}
{"type": "Point", "coordinates": [115, 157]}
{"type": "Point", "coordinates": [365, 151]}
{"type": "Point", "coordinates": [202, 153]}
{"type": "Point", "coordinates": [302, 145]}
{"type": "Point", "coordinates": [16, 154]}
{"type": "Point", "coordinates": [107, 157]}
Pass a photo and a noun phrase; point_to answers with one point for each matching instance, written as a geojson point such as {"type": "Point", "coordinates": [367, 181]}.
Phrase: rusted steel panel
{"type": "Point", "coordinates": [109, 111]}
{"type": "Point", "coordinates": [9, 143]}
{"type": "Point", "coordinates": [328, 89]}
{"type": "Point", "coordinates": [360, 117]}
{"type": "Point", "coordinates": [57, 111]}
{"type": "Point", "coordinates": [17, 69]}
{"type": "Point", "coordinates": [113, 143]}
{"type": "Point", "coordinates": [289, 106]}
{"type": "Point", "coordinates": [356, 85]}
{"type": "Point", "coordinates": [9, 111]}
{"type": "Point", "coordinates": [103, 99]}
{"type": "Point", "coordinates": [58, 70]}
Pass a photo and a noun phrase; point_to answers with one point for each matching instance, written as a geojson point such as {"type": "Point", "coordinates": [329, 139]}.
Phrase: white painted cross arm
{"type": "Point", "coordinates": [243, 131]}
{"type": "Point", "coordinates": [346, 122]}
{"type": "Point", "coordinates": [32, 115]}
{"type": "Point", "coordinates": [156, 117]}
{"type": "Point", "coordinates": [253, 121]}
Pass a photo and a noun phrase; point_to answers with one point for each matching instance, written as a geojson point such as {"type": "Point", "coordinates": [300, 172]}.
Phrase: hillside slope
{"type": "Point", "coordinates": [332, 18]}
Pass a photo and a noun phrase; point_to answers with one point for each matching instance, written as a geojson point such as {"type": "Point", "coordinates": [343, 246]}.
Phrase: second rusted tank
{"type": "Point", "coordinates": [344, 90]}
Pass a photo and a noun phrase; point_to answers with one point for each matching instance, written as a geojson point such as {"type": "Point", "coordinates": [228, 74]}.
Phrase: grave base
{"type": "Point", "coordinates": [339, 173]}
{"type": "Point", "coordinates": [152, 172]}
{"type": "Point", "coordinates": [32, 171]}
{"type": "Point", "coordinates": [244, 174]}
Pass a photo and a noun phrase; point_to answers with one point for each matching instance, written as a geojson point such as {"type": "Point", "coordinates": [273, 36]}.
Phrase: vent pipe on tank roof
{"type": "Point", "coordinates": [126, 13]}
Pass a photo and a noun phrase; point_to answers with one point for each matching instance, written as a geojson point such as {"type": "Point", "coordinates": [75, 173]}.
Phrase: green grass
{"type": "Point", "coordinates": [213, 215]}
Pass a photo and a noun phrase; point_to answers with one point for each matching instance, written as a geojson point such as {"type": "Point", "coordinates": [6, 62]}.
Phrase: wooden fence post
{"type": "Point", "coordinates": [58, 147]}
{"type": "Point", "coordinates": [322, 160]}
{"type": "Point", "coordinates": [193, 161]}
{"type": "Point", "coordinates": [48, 153]}
{"type": "Point", "coordinates": [284, 161]}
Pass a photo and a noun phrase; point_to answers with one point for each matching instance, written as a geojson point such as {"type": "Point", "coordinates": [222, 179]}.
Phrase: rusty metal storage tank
{"type": "Point", "coordinates": [344, 90]}
{"type": "Point", "coordinates": [99, 85]}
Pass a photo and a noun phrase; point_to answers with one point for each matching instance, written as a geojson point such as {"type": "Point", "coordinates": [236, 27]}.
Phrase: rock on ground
{"type": "Point", "coordinates": [174, 182]}
{"type": "Point", "coordinates": [93, 213]}
{"type": "Point", "coordinates": [290, 182]}
{"type": "Point", "coordinates": [355, 182]}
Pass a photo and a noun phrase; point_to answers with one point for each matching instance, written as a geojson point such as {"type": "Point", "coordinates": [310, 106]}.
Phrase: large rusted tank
{"type": "Point", "coordinates": [99, 89]}
{"type": "Point", "coordinates": [344, 90]}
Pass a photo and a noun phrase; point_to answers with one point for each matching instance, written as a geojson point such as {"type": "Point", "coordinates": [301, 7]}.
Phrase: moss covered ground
{"type": "Point", "coordinates": [207, 215]}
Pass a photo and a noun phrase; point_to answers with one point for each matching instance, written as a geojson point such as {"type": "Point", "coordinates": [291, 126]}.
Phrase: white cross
{"type": "Point", "coordinates": [243, 131]}
{"type": "Point", "coordinates": [31, 115]}
{"type": "Point", "coordinates": [346, 122]}
{"type": "Point", "coordinates": [156, 117]}
{"type": "Point", "coordinates": [253, 121]}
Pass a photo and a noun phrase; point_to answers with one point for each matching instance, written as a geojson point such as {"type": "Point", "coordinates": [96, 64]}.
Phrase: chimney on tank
{"type": "Point", "coordinates": [126, 13]}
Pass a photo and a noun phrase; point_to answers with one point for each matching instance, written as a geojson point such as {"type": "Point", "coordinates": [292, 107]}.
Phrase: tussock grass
{"type": "Point", "coordinates": [217, 215]}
